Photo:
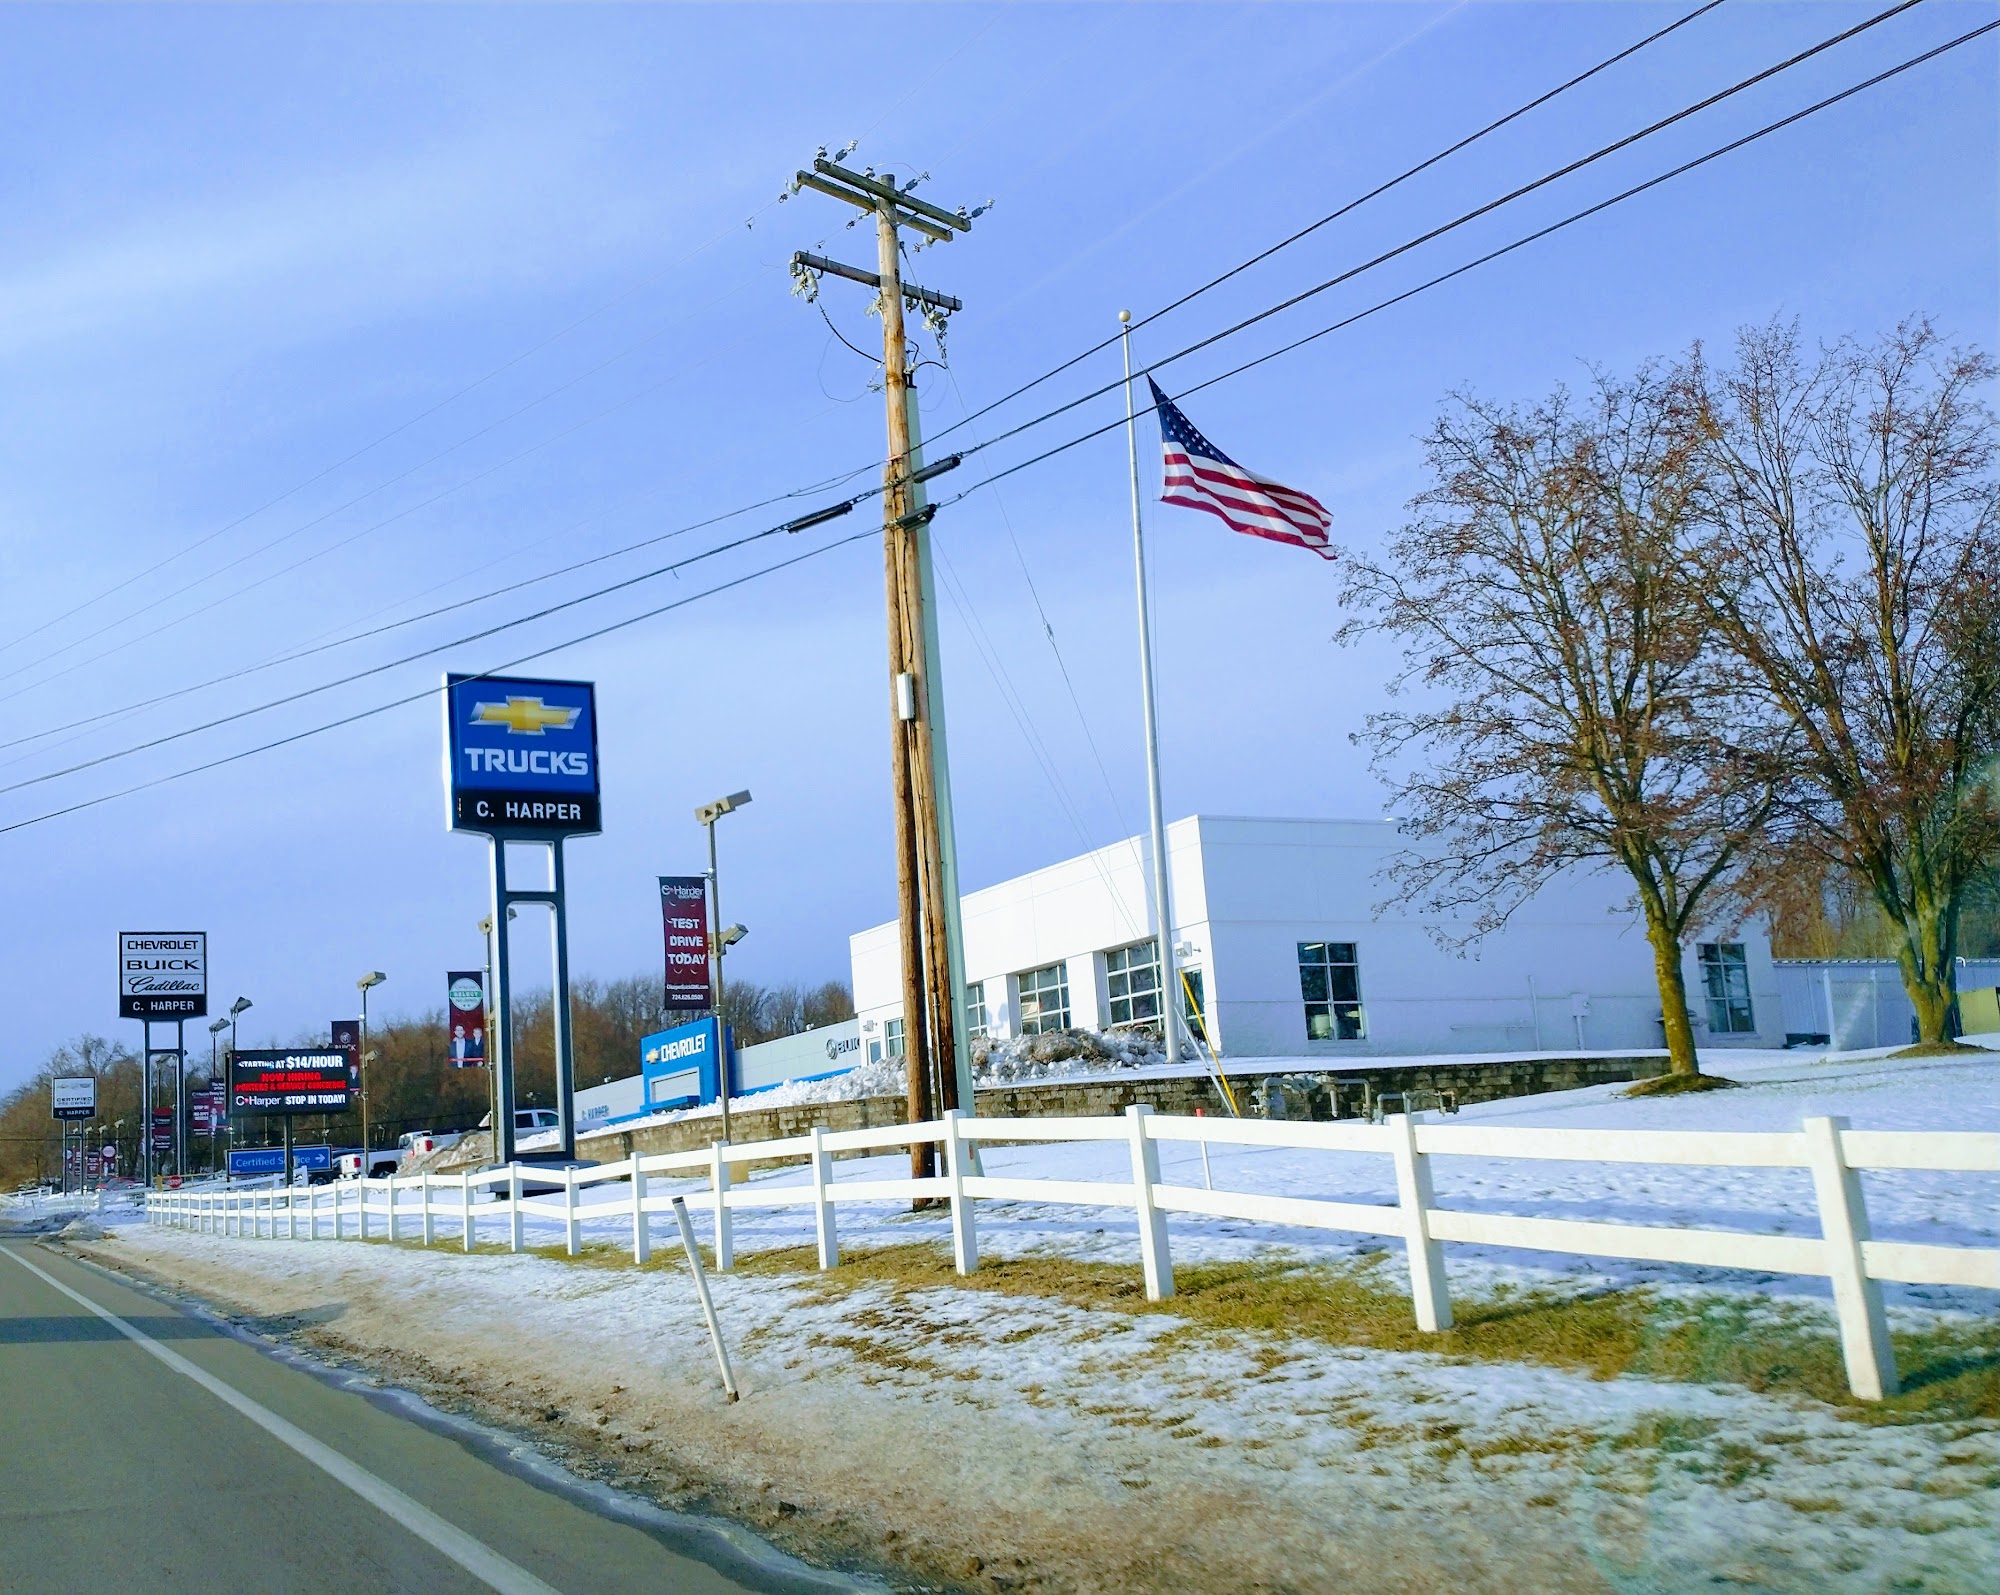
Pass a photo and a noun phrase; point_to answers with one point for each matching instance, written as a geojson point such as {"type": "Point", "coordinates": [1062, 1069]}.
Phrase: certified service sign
{"type": "Point", "coordinates": [521, 755]}
{"type": "Point", "coordinates": [162, 974]}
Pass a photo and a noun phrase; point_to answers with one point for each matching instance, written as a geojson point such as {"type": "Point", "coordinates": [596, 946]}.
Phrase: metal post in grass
{"type": "Point", "coordinates": [514, 1235]}
{"type": "Point", "coordinates": [1430, 1292]}
{"type": "Point", "coordinates": [465, 1206]}
{"type": "Point", "coordinates": [1857, 1299]}
{"type": "Point", "coordinates": [964, 1229]}
{"type": "Point", "coordinates": [1155, 1259]}
{"type": "Point", "coordinates": [642, 1224]}
{"type": "Point", "coordinates": [718, 1178]}
{"type": "Point", "coordinates": [572, 1226]}
{"type": "Point", "coordinates": [823, 1223]}
{"type": "Point", "coordinates": [701, 1291]}
{"type": "Point", "coordinates": [430, 1226]}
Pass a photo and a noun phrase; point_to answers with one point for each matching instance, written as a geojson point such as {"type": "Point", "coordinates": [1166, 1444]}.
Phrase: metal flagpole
{"type": "Point", "coordinates": [1170, 1008]}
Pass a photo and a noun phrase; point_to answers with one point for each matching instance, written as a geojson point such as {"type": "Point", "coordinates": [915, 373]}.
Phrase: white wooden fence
{"type": "Point", "coordinates": [418, 1206]}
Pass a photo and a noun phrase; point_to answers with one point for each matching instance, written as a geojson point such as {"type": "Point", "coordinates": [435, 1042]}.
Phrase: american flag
{"type": "Point", "coordinates": [1201, 477]}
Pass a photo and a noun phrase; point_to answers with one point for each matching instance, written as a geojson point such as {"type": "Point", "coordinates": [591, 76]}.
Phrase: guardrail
{"type": "Point", "coordinates": [1845, 1253]}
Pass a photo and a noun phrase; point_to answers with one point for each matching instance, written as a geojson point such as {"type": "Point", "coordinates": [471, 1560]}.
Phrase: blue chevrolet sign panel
{"type": "Point", "coordinates": [246, 1161]}
{"type": "Point", "coordinates": [682, 1065]}
{"type": "Point", "coordinates": [521, 755]}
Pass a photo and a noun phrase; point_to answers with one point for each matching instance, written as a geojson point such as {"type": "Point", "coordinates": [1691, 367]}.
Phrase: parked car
{"type": "Point", "coordinates": [379, 1164]}
{"type": "Point", "coordinates": [529, 1121]}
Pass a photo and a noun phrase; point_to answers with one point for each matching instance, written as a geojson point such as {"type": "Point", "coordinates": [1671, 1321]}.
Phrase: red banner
{"type": "Point", "coordinates": [684, 918]}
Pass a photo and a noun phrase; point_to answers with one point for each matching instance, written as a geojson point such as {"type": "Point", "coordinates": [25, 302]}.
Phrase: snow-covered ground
{"type": "Point", "coordinates": [1025, 1443]}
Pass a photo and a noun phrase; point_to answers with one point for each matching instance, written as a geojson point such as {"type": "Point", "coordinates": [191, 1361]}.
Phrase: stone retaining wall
{"type": "Point", "coordinates": [1472, 1082]}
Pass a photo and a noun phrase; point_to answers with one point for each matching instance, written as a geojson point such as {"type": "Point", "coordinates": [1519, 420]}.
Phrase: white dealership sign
{"type": "Point", "coordinates": [73, 1097]}
{"type": "Point", "coordinates": [162, 974]}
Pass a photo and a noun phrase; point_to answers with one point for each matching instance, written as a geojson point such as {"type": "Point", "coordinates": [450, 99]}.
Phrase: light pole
{"type": "Point", "coordinates": [236, 1010]}
{"type": "Point", "coordinates": [718, 939]}
{"type": "Point", "coordinates": [366, 984]}
{"type": "Point", "coordinates": [215, 1029]}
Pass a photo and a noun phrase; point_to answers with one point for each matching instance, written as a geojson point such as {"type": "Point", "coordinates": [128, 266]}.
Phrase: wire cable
{"type": "Point", "coordinates": [428, 692]}
{"type": "Point", "coordinates": [1636, 189]}
{"type": "Point", "coordinates": [1491, 255]}
{"type": "Point", "coordinates": [410, 658]}
{"type": "Point", "coordinates": [1332, 216]}
{"type": "Point", "coordinates": [429, 614]}
{"type": "Point", "coordinates": [1486, 209]}
{"type": "Point", "coordinates": [393, 432]}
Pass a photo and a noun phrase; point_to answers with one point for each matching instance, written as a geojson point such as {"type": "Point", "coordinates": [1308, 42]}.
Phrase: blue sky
{"type": "Point", "coordinates": [384, 308]}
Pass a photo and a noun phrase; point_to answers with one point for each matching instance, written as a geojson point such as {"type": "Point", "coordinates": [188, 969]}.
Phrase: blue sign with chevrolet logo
{"type": "Point", "coordinates": [521, 755]}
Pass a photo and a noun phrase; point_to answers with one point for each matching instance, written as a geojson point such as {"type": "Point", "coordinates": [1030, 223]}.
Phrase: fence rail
{"type": "Point", "coordinates": [459, 1207]}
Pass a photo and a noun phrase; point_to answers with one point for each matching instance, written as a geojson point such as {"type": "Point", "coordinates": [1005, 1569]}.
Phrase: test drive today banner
{"type": "Point", "coordinates": [684, 918]}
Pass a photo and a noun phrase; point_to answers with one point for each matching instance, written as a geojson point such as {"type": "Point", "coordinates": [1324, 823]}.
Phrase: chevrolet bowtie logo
{"type": "Point", "coordinates": [527, 716]}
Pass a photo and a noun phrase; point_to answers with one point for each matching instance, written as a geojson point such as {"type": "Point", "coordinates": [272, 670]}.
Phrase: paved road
{"type": "Point", "coordinates": [141, 1449]}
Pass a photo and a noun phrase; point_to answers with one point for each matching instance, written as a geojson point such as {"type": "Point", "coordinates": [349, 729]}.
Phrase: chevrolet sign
{"type": "Point", "coordinates": [521, 756]}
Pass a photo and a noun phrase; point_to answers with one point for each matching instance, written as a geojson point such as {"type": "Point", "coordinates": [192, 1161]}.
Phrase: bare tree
{"type": "Point", "coordinates": [1574, 711]}
{"type": "Point", "coordinates": [1862, 511]}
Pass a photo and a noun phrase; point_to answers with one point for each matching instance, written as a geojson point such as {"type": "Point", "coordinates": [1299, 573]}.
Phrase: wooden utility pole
{"type": "Point", "coordinates": [930, 1000]}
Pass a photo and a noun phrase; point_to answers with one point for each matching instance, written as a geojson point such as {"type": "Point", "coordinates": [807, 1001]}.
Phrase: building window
{"type": "Point", "coordinates": [975, 1009]}
{"type": "Point", "coordinates": [1725, 979]}
{"type": "Point", "coordinates": [1330, 983]}
{"type": "Point", "coordinates": [892, 1037]}
{"type": "Point", "coordinates": [1045, 1000]}
{"type": "Point", "coordinates": [1194, 1006]}
{"type": "Point", "coordinates": [1132, 980]}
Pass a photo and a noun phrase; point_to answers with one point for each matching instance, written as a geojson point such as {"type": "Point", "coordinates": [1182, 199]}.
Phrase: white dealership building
{"type": "Point", "coordinates": [1296, 944]}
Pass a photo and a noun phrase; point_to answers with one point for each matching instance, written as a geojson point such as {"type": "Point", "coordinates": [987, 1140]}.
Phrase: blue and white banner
{"type": "Point", "coordinates": [521, 755]}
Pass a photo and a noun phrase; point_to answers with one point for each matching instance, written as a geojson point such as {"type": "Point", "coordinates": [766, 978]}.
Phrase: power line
{"type": "Point", "coordinates": [428, 614]}
{"type": "Point", "coordinates": [1334, 215]}
{"type": "Point", "coordinates": [427, 692]}
{"type": "Point", "coordinates": [1434, 233]}
{"type": "Point", "coordinates": [1544, 98]}
{"type": "Point", "coordinates": [1544, 232]}
{"type": "Point", "coordinates": [394, 432]}
{"type": "Point", "coordinates": [617, 299]}
{"type": "Point", "coordinates": [411, 658]}
{"type": "Point", "coordinates": [1491, 255]}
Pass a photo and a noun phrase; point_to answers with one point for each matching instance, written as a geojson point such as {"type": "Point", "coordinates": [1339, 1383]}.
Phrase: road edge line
{"type": "Point", "coordinates": [473, 1555]}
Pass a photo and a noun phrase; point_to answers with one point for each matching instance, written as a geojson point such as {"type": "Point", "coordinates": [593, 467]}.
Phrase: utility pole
{"type": "Point", "coordinates": [932, 987]}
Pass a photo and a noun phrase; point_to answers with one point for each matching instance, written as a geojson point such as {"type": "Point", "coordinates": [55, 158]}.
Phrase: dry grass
{"type": "Point", "coordinates": [1943, 1049]}
{"type": "Point", "coordinates": [1674, 1085]}
{"type": "Point", "coordinates": [1949, 1372]}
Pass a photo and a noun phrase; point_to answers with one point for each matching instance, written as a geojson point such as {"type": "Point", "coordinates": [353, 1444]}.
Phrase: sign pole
{"type": "Point", "coordinates": [146, 1094]}
{"type": "Point", "coordinates": [502, 1036]}
{"type": "Point", "coordinates": [288, 1151]}
{"type": "Point", "coordinates": [180, 1098]}
{"type": "Point", "coordinates": [559, 1014]}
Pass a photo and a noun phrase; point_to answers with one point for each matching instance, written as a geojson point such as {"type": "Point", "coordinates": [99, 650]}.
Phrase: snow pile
{"type": "Point", "coordinates": [1060, 1054]}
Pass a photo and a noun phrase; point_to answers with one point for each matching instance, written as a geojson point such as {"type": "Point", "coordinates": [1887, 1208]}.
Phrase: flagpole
{"type": "Point", "coordinates": [1170, 1008]}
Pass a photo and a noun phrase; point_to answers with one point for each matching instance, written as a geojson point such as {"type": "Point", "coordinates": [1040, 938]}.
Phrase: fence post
{"type": "Point", "coordinates": [362, 1212]}
{"type": "Point", "coordinates": [430, 1225]}
{"type": "Point", "coordinates": [514, 1236]}
{"type": "Point", "coordinates": [394, 1232]}
{"type": "Point", "coordinates": [572, 1229]}
{"type": "Point", "coordinates": [964, 1228]}
{"type": "Point", "coordinates": [718, 1179]}
{"type": "Point", "coordinates": [1857, 1299]}
{"type": "Point", "coordinates": [1430, 1291]}
{"type": "Point", "coordinates": [823, 1226]}
{"type": "Point", "coordinates": [642, 1223]}
{"type": "Point", "coordinates": [1155, 1260]}
{"type": "Point", "coordinates": [465, 1205]}
{"type": "Point", "coordinates": [292, 1214]}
